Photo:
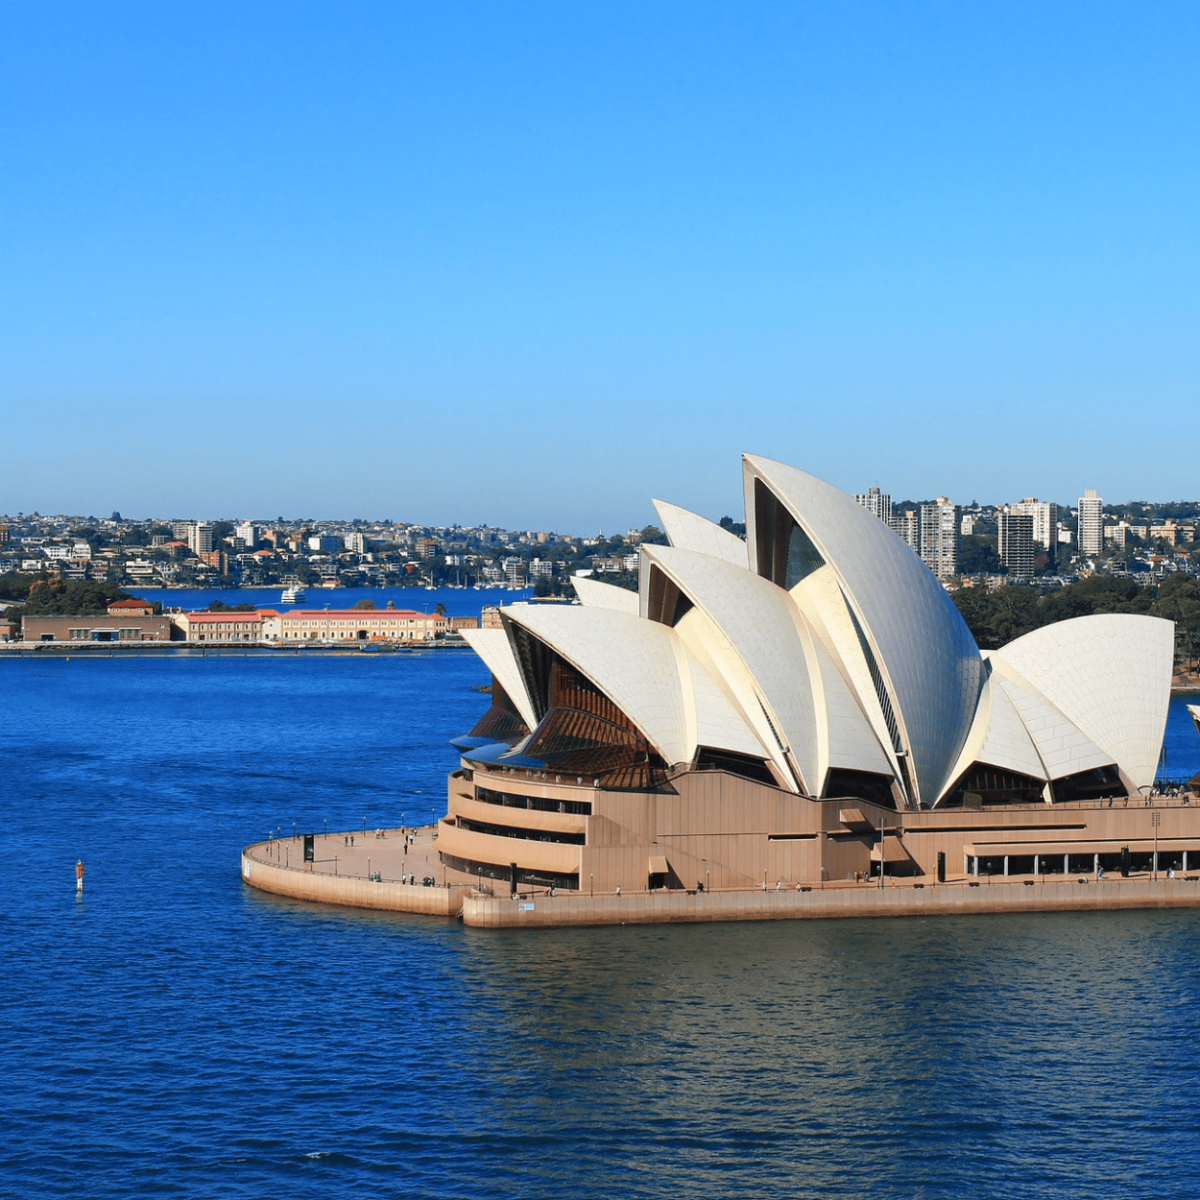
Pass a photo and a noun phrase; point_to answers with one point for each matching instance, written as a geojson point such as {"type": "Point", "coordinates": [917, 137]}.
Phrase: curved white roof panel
{"type": "Point", "coordinates": [845, 654]}
{"type": "Point", "coordinates": [687, 531]}
{"type": "Point", "coordinates": [716, 721]}
{"type": "Point", "coordinates": [757, 618]}
{"type": "Point", "coordinates": [998, 738]}
{"type": "Point", "coordinates": [921, 644]}
{"type": "Point", "coordinates": [1063, 748]}
{"type": "Point", "coordinates": [632, 661]}
{"type": "Point", "coordinates": [594, 594]}
{"type": "Point", "coordinates": [846, 738]}
{"type": "Point", "coordinates": [1111, 675]}
{"type": "Point", "coordinates": [493, 647]}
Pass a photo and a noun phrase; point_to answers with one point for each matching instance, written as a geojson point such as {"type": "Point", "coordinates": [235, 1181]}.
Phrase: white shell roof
{"type": "Point", "coordinates": [1063, 748]}
{"type": "Point", "coordinates": [632, 661]}
{"type": "Point", "coordinates": [493, 647]}
{"type": "Point", "coordinates": [846, 738]}
{"type": "Point", "coordinates": [819, 597]}
{"type": "Point", "coordinates": [687, 531]}
{"type": "Point", "coordinates": [595, 594]}
{"type": "Point", "coordinates": [921, 643]}
{"type": "Point", "coordinates": [998, 738]}
{"type": "Point", "coordinates": [757, 619]}
{"type": "Point", "coordinates": [716, 721]}
{"type": "Point", "coordinates": [782, 675]}
{"type": "Point", "coordinates": [706, 641]}
{"type": "Point", "coordinates": [1111, 675]}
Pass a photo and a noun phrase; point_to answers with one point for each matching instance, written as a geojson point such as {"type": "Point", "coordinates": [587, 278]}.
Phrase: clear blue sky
{"type": "Point", "coordinates": [533, 263]}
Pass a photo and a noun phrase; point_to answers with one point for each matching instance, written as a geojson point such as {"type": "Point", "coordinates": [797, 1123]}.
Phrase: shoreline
{"type": "Point", "coordinates": [377, 870]}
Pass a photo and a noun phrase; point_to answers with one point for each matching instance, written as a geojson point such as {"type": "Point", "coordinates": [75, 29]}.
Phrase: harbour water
{"type": "Point", "coordinates": [172, 1032]}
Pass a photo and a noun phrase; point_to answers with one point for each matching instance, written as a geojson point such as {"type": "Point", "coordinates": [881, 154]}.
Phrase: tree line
{"type": "Point", "coordinates": [997, 616]}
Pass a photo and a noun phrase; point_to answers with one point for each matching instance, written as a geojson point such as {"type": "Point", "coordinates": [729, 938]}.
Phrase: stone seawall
{"type": "Point", "coordinates": [542, 911]}
{"type": "Point", "coordinates": [352, 891]}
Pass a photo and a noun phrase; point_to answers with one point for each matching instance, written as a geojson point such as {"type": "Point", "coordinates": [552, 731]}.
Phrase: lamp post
{"type": "Point", "coordinates": [1154, 819]}
{"type": "Point", "coordinates": [882, 855]}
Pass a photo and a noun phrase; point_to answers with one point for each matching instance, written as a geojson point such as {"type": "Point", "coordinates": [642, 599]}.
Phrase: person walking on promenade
{"type": "Point", "coordinates": [79, 869]}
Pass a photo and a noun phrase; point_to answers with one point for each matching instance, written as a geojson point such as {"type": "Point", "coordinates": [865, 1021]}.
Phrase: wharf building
{"type": "Point", "coordinates": [303, 625]}
{"type": "Point", "coordinates": [803, 706]}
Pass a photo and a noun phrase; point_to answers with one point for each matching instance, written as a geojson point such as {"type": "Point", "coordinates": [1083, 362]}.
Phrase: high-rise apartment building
{"type": "Point", "coordinates": [248, 532]}
{"type": "Point", "coordinates": [939, 536]}
{"type": "Point", "coordinates": [1015, 543]}
{"type": "Point", "coordinates": [907, 527]}
{"type": "Point", "coordinates": [200, 537]}
{"type": "Point", "coordinates": [1091, 523]}
{"type": "Point", "coordinates": [1045, 520]}
{"type": "Point", "coordinates": [877, 503]}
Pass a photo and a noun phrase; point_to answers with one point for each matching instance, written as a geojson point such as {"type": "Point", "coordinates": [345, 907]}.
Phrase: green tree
{"type": "Point", "coordinates": [977, 555]}
{"type": "Point", "coordinates": [365, 604]}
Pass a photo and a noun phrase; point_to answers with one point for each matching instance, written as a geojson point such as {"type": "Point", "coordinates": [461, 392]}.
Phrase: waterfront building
{"type": "Point", "coordinates": [102, 627]}
{"type": "Point", "coordinates": [1015, 543]}
{"type": "Point", "coordinates": [802, 706]}
{"type": "Point", "coordinates": [1091, 523]}
{"type": "Point", "coordinates": [361, 625]}
{"type": "Point", "coordinates": [221, 626]}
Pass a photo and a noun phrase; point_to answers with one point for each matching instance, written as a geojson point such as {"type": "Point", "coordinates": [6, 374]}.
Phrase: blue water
{"type": "Point", "coordinates": [174, 1033]}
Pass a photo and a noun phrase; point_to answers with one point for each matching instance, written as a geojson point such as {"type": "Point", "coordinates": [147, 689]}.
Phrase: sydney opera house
{"type": "Point", "coordinates": [802, 706]}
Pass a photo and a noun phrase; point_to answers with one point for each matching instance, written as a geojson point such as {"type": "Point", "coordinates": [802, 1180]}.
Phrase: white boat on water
{"type": "Point", "coordinates": [292, 595]}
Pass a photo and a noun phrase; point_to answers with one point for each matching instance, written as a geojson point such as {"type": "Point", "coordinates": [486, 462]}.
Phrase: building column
{"type": "Point", "coordinates": [1037, 860]}
{"type": "Point", "coordinates": [977, 866]}
{"type": "Point", "coordinates": [1006, 864]}
{"type": "Point", "coordinates": [1066, 864]}
{"type": "Point", "coordinates": [966, 863]}
{"type": "Point", "coordinates": [1185, 860]}
{"type": "Point", "coordinates": [1096, 864]}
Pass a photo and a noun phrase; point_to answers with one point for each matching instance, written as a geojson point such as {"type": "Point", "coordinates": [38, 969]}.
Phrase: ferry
{"type": "Point", "coordinates": [293, 595]}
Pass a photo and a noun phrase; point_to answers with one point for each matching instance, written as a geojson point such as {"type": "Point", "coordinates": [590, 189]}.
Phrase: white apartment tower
{"type": "Point", "coordinates": [1091, 523]}
{"type": "Point", "coordinates": [907, 527]}
{"type": "Point", "coordinates": [1045, 520]}
{"type": "Point", "coordinates": [939, 536]}
{"type": "Point", "coordinates": [877, 503]}
{"type": "Point", "coordinates": [248, 532]}
{"type": "Point", "coordinates": [200, 537]}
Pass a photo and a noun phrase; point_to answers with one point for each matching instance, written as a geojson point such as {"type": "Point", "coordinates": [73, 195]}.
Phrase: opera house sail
{"type": "Point", "coordinates": [805, 705]}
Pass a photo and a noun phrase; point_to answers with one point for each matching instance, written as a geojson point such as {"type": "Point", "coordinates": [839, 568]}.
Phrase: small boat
{"type": "Point", "coordinates": [292, 595]}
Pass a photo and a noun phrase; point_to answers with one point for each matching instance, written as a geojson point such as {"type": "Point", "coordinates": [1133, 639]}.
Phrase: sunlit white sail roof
{"type": "Point", "coordinates": [824, 649]}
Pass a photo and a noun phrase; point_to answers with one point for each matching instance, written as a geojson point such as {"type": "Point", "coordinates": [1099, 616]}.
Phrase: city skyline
{"type": "Point", "coordinates": [494, 264]}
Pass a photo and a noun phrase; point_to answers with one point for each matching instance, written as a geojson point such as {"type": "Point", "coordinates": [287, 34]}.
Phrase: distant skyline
{"type": "Point", "coordinates": [530, 265]}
